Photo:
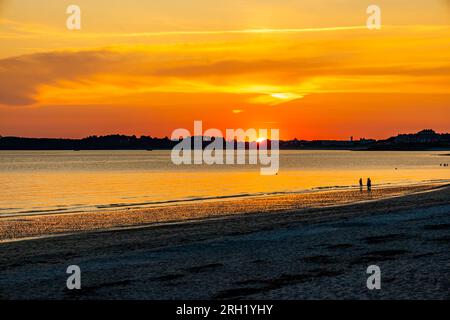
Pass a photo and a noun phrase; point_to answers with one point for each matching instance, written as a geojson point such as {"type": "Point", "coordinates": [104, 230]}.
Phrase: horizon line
{"type": "Point", "coordinates": [203, 136]}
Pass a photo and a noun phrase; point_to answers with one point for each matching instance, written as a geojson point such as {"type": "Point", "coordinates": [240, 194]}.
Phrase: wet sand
{"type": "Point", "coordinates": [31, 226]}
{"type": "Point", "coordinates": [307, 252]}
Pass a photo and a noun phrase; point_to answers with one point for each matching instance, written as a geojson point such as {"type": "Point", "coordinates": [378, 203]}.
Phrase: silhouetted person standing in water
{"type": "Point", "coordinates": [360, 184]}
{"type": "Point", "coordinates": [369, 184]}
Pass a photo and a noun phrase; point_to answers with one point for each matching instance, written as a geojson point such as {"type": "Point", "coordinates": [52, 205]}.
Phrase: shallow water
{"type": "Point", "coordinates": [68, 181]}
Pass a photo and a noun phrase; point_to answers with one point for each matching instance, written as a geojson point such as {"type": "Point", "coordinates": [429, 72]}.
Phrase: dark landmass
{"type": "Point", "coordinates": [423, 140]}
{"type": "Point", "coordinates": [110, 142]}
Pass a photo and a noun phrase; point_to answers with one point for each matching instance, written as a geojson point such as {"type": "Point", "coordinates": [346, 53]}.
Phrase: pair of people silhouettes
{"type": "Point", "coordinates": [369, 184]}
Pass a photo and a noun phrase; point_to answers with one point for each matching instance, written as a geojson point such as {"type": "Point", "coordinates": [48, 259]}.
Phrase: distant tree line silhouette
{"type": "Point", "coordinates": [423, 140]}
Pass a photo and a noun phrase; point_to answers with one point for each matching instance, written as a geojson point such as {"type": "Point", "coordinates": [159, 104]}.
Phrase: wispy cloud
{"type": "Point", "coordinates": [12, 29]}
{"type": "Point", "coordinates": [270, 72]}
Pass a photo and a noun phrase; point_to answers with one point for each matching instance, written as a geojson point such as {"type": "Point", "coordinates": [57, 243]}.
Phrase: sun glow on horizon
{"type": "Point", "coordinates": [261, 139]}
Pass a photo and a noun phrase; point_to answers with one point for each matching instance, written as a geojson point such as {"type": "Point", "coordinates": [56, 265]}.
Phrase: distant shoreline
{"type": "Point", "coordinates": [281, 148]}
{"type": "Point", "coordinates": [425, 140]}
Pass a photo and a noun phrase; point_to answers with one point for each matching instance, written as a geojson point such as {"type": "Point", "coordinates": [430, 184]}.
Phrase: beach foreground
{"type": "Point", "coordinates": [295, 248]}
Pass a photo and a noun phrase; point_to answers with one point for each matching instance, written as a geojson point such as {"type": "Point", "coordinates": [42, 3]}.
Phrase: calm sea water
{"type": "Point", "coordinates": [67, 181]}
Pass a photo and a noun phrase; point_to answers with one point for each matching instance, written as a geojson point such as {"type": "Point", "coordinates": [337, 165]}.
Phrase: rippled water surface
{"type": "Point", "coordinates": [67, 181]}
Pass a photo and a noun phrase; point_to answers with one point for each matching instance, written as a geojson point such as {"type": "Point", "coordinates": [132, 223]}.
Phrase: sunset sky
{"type": "Point", "coordinates": [309, 68]}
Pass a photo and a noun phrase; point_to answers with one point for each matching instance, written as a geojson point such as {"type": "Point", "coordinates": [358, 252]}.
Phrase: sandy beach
{"type": "Point", "coordinates": [16, 227]}
{"type": "Point", "coordinates": [304, 246]}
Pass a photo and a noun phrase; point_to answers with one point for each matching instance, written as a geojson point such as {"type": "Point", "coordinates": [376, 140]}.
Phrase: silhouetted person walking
{"type": "Point", "coordinates": [369, 184]}
{"type": "Point", "coordinates": [360, 184]}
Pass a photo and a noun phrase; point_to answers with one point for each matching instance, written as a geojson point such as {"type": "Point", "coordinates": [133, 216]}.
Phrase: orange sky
{"type": "Point", "coordinates": [308, 68]}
